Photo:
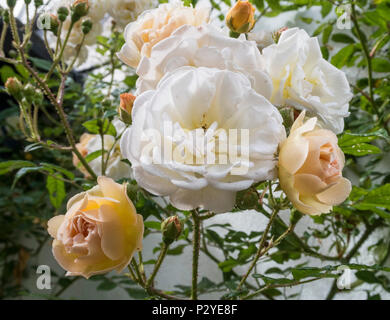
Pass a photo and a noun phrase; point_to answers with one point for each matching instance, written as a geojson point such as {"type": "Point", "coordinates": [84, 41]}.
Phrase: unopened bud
{"type": "Point", "coordinates": [126, 105]}
{"type": "Point", "coordinates": [27, 2]}
{"type": "Point", "coordinates": [247, 199]}
{"type": "Point", "coordinates": [241, 18]}
{"type": "Point", "coordinates": [86, 26]}
{"type": "Point", "coordinates": [29, 93]}
{"type": "Point", "coordinates": [14, 88]}
{"type": "Point", "coordinates": [11, 3]}
{"type": "Point", "coordinates": [54, 23]}
{"type": "Point", "coordinates": [63, 13]}
{"type": "Point", "coordinates": [171, 229]}
{"type": "Point", "coordinates": [276, 35]}
{"type": "Point", "coordinates": [5, 16]}
{"type": "Point", "coordinates": [79, 9]}
{"type": "Point", "coordinates": [38, 3]}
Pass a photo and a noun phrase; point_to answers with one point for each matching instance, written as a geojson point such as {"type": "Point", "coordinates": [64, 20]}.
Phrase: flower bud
{"type": "Point", "coordinates": [63, 13]}
{"type": "Point", "coordinates": [27, 2]}
{"type": "Point", "coordinates": [38, 3]}
{"type": "Point", "coordinates": [126, 105]}
{"type": "Point", "coordinates": [54, 23]}
{"type": "Point", "coordinates": [29, 93]}
{"type": "Point", "coordinates": [276, 35]}
{"type": "Point", "coordinates": [11, 3]}
{"type": "Point", "coordinates": [171, 229]}
{"type": "Point", "coordinates": [5, 16]}
{"type": "Point", "coordinates": [79, 9]}
{"type": "Point", "coordinates": [247, 199]}
{"type": "Point", "coordinates": [86, 26]}
{"type": "Point", "coordinates": [14, 88]}
{"type": "Point", "coordinates": [241, 18]}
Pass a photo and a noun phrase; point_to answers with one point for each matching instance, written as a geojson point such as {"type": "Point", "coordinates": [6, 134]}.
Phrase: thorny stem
{"type": "Point", "coordinates": [157, 266]}
{"type": "Point", "coordinates": [260, 249]}
{"type": "Point", "coordinates": [195, 255]}
{"type": "Point", "coordinates": [366, 54]}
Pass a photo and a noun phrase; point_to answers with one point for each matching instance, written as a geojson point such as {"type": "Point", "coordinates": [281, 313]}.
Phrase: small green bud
{"type": "Point", "coordinates": [27, 2]}
{"type": "Point", "coordinates": [63, 13]}
{"type": "Point", "coordinates": [29, 92]}
{"type": "Point", "coordinates": [6, 16]}
{"type": "Point", "coordinates": [171, 229]}
{"type": "Point", "coordinates": [54, 24]}
{"type": "Point", "coordinates": [86, 26]}
{"type": "Point", "coordinates": [12, 53]}
{"type": "Point", "coordinates": [106, 102]}
{"type": "Point", "coordinates": [38, 3]}
{"type": "Point", "coordinates": [14, 88]}
{"type": "Point", "coordinates": [80, 9]}
{"type": "Point", "coordinates": [247, 199]}
{"type": "Point", "coordinates": [11, 3]}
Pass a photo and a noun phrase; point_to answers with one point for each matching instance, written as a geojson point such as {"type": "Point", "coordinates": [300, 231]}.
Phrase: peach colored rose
{"type": "Point", "coordinates": [310, 168]}
{"type": "Point", "coordinates": [100, 231]}
{"type": "Point", "coordinates": [155, 25]}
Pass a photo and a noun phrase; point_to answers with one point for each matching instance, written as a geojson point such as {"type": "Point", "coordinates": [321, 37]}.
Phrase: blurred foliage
{"type": "Point", "coordinates": [37, 179]}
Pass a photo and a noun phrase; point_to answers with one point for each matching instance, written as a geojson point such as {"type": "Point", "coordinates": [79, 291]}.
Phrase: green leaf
{"type": "Point", "coordinates": [153, 225]}
{"type": "Point", "coordinates": [343, 38]}
{"type": "Point", "coordinates": [356, 144]}
{"type": "Point", "coordinates": [65, 172]}
{"type": "Point", "coordinates": [176, 250]}
{"type": "Point", "coordinates": [380, 65]}
{"type": "Point", "coordinates": [375, 199]}
{"type": "Point", "coordinates": [21, 172]}
{"type": "Point", "coordinates": [92, 156]}
{"type": "Point", "coordinates": [56, 188]}
{"type": "Point", "coordinates": [343, 56]}
{"type": "Point", "coordinates": [98, 126]}
{"type": "Point", "coordinates": [367, 276]}
{"type": "Point", "coordinates": [326, 7]}
{"type": "Point", "coordinates": [41, 63]}
{"type": "Point", "coordinates": [106, 285]}
{"type": "Point", "coordinates": [7, 166]}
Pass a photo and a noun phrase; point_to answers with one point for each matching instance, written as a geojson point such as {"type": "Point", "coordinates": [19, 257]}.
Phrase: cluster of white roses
{"type": "Point", "coordinates": [196, 86]}
{"type": "Point", "coordinates": [193, 76]}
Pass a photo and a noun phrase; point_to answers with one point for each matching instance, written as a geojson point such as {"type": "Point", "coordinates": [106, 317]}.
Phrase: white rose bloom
{"type": "Point", "coordinates": [125, 11]}
{"type": "Point", "coordinates": [203, 46]}
{"type": "Point", "coordinates": [303, 79]}
{"type": "Point", "coordinates": [191, 112]}
{"type": "Point", "coordinates": [115, 169]}
{"type": "Point", "coordinates": [155, 25]}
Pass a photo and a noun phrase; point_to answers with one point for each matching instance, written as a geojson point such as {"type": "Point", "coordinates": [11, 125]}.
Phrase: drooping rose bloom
{"type": "Point", "coordinates": [203, 46]}
{"type": "Point", "coordinates": [100, 231]}
{"type": "Point", "coordinates": [310, 168]}
{"type": "Point", "coordinates": [302, 78]}
{"type": "Point", "coordinates": [89, 143]}
{"type": "Point", "coordinates": [182, 142]}
{"type": "Point", "coordinates": [155, 25]}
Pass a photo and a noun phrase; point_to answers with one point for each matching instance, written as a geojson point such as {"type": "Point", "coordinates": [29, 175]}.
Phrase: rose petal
{"type": "Point", "coordinates": [337, 193]}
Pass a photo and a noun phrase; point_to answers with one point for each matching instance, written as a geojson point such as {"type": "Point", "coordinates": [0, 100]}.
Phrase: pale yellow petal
{"type": "Point", "coordinates": [336, 193]}
{"type": "Point", "coordinates": [53, 224]}
{"type": "Point", "coordinates": [308, 184]}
